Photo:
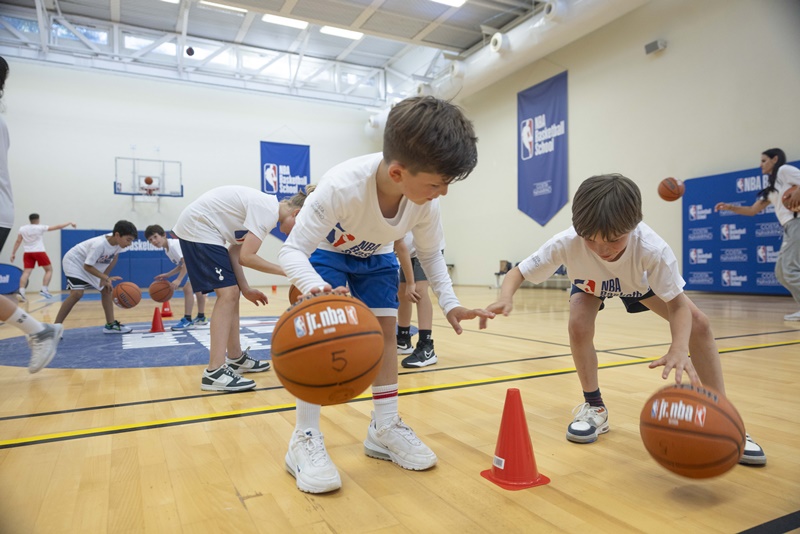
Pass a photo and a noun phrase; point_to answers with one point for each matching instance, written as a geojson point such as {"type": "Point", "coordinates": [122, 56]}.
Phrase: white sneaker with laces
{"type": "Point", "coordinates": [792, 316]}
{"type": "Point", "coordinates": [225, 379]}
{"type": "Point", "coordinates": [248, 364]}
{"type": "Point", "coordinates": [753, 453]}
{"type": "Point", "coordinates": [308, 462]}
{"type": "Point", "coordinates": [46, 294]}
{"type": "Point", "coordinates": [43, 346]}
{"type": "Point", "coordinates": [398, 443]}
{"type": "Point", "coordinates": [588, 423]}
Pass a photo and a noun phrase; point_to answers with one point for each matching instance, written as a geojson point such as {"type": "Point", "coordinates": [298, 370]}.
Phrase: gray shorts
{"type": "Point", "coordinates": [419, 274]}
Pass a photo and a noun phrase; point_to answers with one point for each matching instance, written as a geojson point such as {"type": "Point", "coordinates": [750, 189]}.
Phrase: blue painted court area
{"type": "Point", "coordinates": [90, 348]}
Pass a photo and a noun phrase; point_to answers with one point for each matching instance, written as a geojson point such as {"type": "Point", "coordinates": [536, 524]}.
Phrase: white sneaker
{"type": "Point", "coordinates": [398, 443]}
{"type": "Point", "coordinates": [309, 463]}
{"type": "Point", "coordinates": [21, 296]}
{"type": "Point", "coordinates": [46, 294]}
{"type": "Point", "coordinates": [43, 346]}
{"type": "Point", "coordinates": [753, 453]}
{"type": "Point", "coordinates": [247, 364]}
{"type": "Point", "coordinates": [792, 316]}
{"type": "Point", "coordinates": [224, 379]}
{"type": "Point", "coordinates": [589, 422]}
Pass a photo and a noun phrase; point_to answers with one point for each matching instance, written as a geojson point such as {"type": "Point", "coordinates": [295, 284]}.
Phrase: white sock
{"type": "Point", "coordinates": [22, 291]}
{"type": "Point", "coordinates": [307, 416]}
{"type": "Point", "coordinates": [385, 400]}
{"type": "Point", "coordinates": [25, 322]}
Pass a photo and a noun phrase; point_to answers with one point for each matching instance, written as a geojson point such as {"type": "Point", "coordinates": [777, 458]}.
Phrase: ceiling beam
{"type": "Point", "coordinates": [245, 27]}
{"type": "Point", "coordinates": [115, 10]}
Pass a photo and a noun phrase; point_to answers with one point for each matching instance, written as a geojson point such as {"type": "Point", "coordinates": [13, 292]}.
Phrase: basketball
{"type": "Point", "coordinates": [785, 198]}
{"type": "Point", "coordinates": [160, 291]}
{"type": "Point", "coordinates": [148, 180]}
{"type": "Point", "coordinates": [294, 295]}
{"type": "Point", "coordinates": [327, 349]}
{"type": "Point", "coordinates": [671, 189]}
{"type": "Point", "coordinates": [693, 431]}
{"type": "Point", "coordinates": [126, 294]}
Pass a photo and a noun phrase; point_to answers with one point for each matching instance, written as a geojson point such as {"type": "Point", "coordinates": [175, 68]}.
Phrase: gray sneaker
{"type": "Point", "coordinates": [225, 379]}
{"type": "Point", "coordinates": [247, 364]}
{"type": "Point", "coordinates": [43, 346]}
{"type": "Point", "coordinates": [589, 422]}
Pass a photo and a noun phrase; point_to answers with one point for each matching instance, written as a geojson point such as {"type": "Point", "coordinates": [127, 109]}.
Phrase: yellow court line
{"type": "Point", "coordinates": [74, 434]}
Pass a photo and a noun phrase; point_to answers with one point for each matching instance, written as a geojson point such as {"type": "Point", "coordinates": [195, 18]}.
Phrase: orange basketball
{"type": "Point", "coordinates": [327, 349]}
{"type": "Point", "coordinates": [126, 294]}
{"type": "Point", "coordinates": [148, 180]}
{"type": "Point", "coordinates": [786, 195]}
{"type": "Point", "coordinates": [294, 294]}
{"type": "Point", "coordinates": [692, 430]}
{"type": "Point", "coordinates": [160, 291]}
{"type": "Point", "coordinates": [671, 189]}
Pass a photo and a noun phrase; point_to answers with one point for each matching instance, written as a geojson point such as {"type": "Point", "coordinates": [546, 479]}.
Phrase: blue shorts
{"type": "Point", "coordinates": [372, 280]}
{"type": "Point", "coordinates": [209, 266]}
{"type": "Point", "coordinates": [632, 304]}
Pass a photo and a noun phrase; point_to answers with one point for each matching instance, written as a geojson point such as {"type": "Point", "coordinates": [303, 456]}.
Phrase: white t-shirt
{"type": "Point", "coordinates": [97, 252]}
{"type": "Point", "coordinates": [174, 252]}
{"type": "Point", "coordinates": [788, 176]}
{"type": "Point", "coordinates": [226, 214]}
{"type": "Point", "coordinates": [6, 196]}
{"type": "Point", "coordinates": [412, 248]}
{"type": "Point", "coordinates": [342, 215]}
{"type": "Point", "coordinates": [32, 240]}
{"type": "Point", "coordinates": [647, 263]}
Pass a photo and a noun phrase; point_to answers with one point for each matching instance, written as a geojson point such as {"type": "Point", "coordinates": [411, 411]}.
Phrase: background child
{"type": "Point", "coordinates": [30, 237]}
{"type": "Point", "coordinates": [413, 290]}
{"type": "Point", "coordinates": [241, 217]}
{"type": "Point", "coordinates": [156, 236]}
{"type": "Point", "coordinates": [346, 238]}
{"type": "Point", "coordinates": [609, 252]}
{"type": "Point", "coordinates": [88, 265]}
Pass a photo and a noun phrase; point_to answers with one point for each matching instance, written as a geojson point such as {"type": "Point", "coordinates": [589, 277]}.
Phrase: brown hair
{"type": "Point", "coordinates": [298, 199]}
{"type": "Point", "coordinates": [426, 134]}
{"type": "Point", "coordinates": [606, 205]}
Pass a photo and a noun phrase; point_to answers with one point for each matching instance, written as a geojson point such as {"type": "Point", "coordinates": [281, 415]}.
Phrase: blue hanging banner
{"type": "Point", "coordinates": [285, 170]}
{"type": "Point", "coordinates": [725, 252]}
{"type": "Point", "coordinates": [542, 179]}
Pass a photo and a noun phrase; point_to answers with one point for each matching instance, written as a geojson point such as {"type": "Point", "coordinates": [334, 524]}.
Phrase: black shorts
{"type": "Point", "coordinates": [419, 273]}
{"type": "Point", "coordinates": [3, 236]}
{"type": "Point", "coordinates": [632, 304]}
{"type": "Point", "coordinates": [209, 266]}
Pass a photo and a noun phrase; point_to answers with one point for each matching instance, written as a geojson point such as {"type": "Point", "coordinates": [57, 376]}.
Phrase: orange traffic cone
{"type": "Point", "coordinates": [158, 325]}
{"type": "Point", "coordinates": [166, 311]}
{"type": "Point", "coordinates": [514, 467]}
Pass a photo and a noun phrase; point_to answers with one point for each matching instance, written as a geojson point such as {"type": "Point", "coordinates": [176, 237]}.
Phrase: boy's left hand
{"type": "Point", "coordinates": [678, 360]}
{"type": "Point", "coordinates": [255, 296]}
{"type": "Point", "coordinates": [460, 313]}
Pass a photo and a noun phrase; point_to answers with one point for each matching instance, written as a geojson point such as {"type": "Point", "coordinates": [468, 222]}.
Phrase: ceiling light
{"type": "Point", "coordinates": [284, 21]}
{"type": "Point", "coordinates": [454, 3]}
{"type": "Point", "coordinates": [223, 6]}
{"type": "Point", "coordinates": [339, 32]}
{"type": "Point", "coordinates": [172, 1]}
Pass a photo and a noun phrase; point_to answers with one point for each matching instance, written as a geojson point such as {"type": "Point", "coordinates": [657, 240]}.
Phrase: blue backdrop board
{"type": "Point", "coordinates": [139, 264]}
{"type": "Point", "coordinates": [725, 252]}
{"type": "Point", "coordinates": [542, 174]}
{"type": "Point", "coordinates": [285, 169]}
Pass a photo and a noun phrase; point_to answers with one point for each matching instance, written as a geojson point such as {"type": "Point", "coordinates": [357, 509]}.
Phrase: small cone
{"type": "Point", "coordinates": [158, 324]}
{"type": "Point", "coordinates": [514, 467]}
{"type": "Point", "coordinates": [166, 311]}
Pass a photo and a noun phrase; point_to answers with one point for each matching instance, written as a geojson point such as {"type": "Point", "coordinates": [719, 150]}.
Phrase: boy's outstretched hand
{"type": "Point", "coordinates": [255, 296]}
{"type": "Point", "coordinates": [679, 361]}
{"type": "Point", "coordinates": [501, 306]}
{"type": "Point", "coordinates": [460, 313]}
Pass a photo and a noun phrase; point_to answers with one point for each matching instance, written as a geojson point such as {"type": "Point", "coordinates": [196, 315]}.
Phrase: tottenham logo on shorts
{"type": "Point", "coordinates": [676, 412]}
{"type": "Point", "coordinates": [330, 317]}
{"type": "Point", "coordinates": [219, 273]}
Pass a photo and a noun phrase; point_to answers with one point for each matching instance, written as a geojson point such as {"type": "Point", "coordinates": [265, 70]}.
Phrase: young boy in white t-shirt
{"type": "Point", "coordinates": [220, 233]}
{"type": "Point", "coordinates": [345, 237]}
{"type": "Point", "coordinates": [88, 265]}
{"type": "Point", "coordinates": [31, 238]}
{"type": "Point", "coordinates": [609, 252]}
{"type": "Point", "coordinates": [157, 237]}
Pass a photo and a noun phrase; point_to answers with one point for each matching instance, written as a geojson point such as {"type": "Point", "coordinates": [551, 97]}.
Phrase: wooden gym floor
{"type": "Point", "coordinates": [144, 450]}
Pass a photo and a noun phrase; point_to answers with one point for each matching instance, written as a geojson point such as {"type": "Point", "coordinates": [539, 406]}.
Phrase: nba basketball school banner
{"type": "Point", "coordinates": [725, 252]}
{"type": "Point", "coordinates": [285, 169]}
{"type": "Point", "coordinates": [542, 180]}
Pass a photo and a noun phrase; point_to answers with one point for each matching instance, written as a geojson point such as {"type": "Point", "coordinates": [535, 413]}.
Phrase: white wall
{"type": "Point", "coordinates": [725, 89]}
{"type": "Point", "coordinates": [68, 125]}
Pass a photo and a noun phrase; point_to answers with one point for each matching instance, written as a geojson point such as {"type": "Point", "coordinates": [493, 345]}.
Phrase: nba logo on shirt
{"type": "Point", "coordinates": [587, 286]}
{"type": "Point", "coordinates": [726, 278]}
{"type": "Point", "coordinates": [761, 254]}
{"type": "Point", "coordinates": [740, 185]}
{"type": "Point", "coordinates": [240, 235]}
{"type": "Point", "coordinates": [270, 178]}
{"type": "Point", "coordinates": [526, 139]}
{"type": "Point", "coordinates": [299, 326]}
{"type": "Point", "coordinates": [725, 232]}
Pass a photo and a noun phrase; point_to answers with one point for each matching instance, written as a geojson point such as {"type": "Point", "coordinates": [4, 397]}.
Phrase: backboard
{"type": "Point", "coordinates": [132, 175]}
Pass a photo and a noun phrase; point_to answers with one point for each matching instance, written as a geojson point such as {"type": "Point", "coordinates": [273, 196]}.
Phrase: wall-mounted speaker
{"type": "Point", "coordinates": [655, 46]}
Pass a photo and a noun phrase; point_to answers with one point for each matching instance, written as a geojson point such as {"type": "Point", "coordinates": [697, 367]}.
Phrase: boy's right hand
{"type": "Point", "coordinates": [325, 290]}
{"type": "Point", "coordinates": [503, 307]}
{"type": "Point", "coordinates": [109, 282]}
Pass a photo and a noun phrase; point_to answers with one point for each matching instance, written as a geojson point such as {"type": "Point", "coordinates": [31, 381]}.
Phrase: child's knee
{"type": "Point", "coordinates": [700, 323]}
{"type": "Point", "coordinates": [580, 330]}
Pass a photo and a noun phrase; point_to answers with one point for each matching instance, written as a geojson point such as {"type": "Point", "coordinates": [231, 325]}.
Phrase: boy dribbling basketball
{"type": "Point", "coordinates": [610, 252]}
{"type": "Point", "coordinates": [345, 237]}
{"type": "Point", "coordinates": [88, 265]}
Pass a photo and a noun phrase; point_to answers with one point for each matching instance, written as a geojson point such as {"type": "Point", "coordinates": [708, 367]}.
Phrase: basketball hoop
{"type": "Point", "coordinates": [150, 191]}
